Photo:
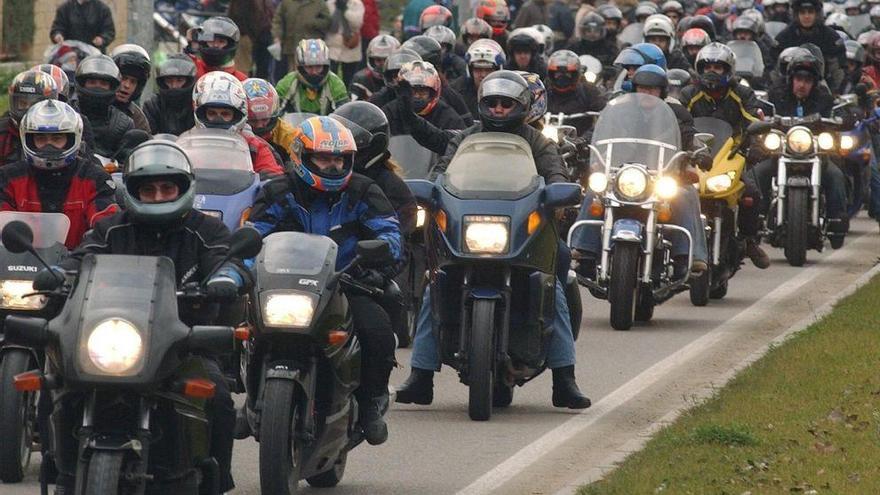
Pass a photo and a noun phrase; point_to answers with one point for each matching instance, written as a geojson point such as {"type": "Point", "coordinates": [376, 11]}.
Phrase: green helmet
{"type": "Point", "coordinates": [158, 159]}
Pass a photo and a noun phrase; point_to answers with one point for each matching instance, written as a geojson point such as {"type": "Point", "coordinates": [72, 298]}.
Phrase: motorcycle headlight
{"type": "Point", "coordinates": [666, 188]}
{"type": "Point", "coordinates": [115, 346]}
{"type": "Point", "coordinates": [590, 77]}
{"type": "Point", "coordinates": [11, 292]}
{"type": "Point", "coordinates": [799, 139]}
{"type": "Point", "coordinates": [745, 82]}
{"type": "Point", "coordinates": [847, 142]}
{"type": "Point", "coordinates": [598, 182]}
{"type": "Point", "coordinates": [719, 183]}
{"type": "Point", "coordinates": [486, 234]}
{"type": "Point", "coordinates": [288, 309]}
{"type": "Point", "coordinates": [826, 141]}
{"type": "Point", "coordinates": [420, 217]}
{"type": "Point", "coordinates": [772, 141]}
{"type": "Point", "coordinates": [551, 132]}
{"type": "Point", "coordinates": [632, 182]}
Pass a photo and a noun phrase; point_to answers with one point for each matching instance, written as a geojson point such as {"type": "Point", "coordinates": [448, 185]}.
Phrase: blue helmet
{"type": "Point", "coordinates": [652, 76]}
{"type": "Point", "coordinates": [651, 53]}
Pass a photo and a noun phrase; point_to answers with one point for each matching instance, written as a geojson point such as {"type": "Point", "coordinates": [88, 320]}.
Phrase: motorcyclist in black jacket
{"type": "Point", "coordinates": [369, 80]}
{"type": "Point", "coordinates": [808, 27]}
{"type": "Point", "coordinates": [452, 65]}
{"type": "Point", "coordinates": [431, 51]}
{"type": "Point", "coordinates": [97, 79]}
{"type": "Point", "coordinates": [525, 55]}
{"type": "Point", "coordinates": [170, 110]}
{"type": "Point", "coordinates": [569, 92]}
{"type": "Point", "coordinates": [483, 57]}
{"type": "Point", "coordinates": [593, 40]}
{"type": "Point", "coordinates": [134, 65]}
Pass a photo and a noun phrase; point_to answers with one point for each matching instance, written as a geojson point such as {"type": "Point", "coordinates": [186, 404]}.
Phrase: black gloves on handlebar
{"type": "Point", "coordinates": [48, 279]}
{"type": "Point", "coordinates": [371, 277]}
{"type": "Point", "coordinates": [221, 288]}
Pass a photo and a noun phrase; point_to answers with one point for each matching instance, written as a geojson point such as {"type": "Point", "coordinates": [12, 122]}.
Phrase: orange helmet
{"type": "Point", "coordinates": [421, 74]}
{"type": "Point", "coordinates": [496, 13]}
{"type": "Point", "coordinates": [435, 15]}
{"type": "Point", "coordinates": [329, 138]}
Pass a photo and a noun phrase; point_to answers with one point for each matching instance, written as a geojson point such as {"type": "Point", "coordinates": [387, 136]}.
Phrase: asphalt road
{"type": "Point", "coordinates": [437, 450]}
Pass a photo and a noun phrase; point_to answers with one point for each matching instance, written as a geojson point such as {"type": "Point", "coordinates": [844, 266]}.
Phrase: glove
{"type": "Point", "coordinates": [404, 94]}
{"type": "Point", "coordinates": [371, 277]}
{"type": "Point", "coordinates": [48, 279]}
{"type": "Point", "coordinates": [221, 288]}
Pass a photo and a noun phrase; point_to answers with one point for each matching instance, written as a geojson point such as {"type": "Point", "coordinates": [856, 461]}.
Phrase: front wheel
{"type": "Point", "coordinates": [331, 478]}
{"type": "Point", "coordinates": [797, 225]}
{"type": "Point", "coordinates": [622, 286]}
{"type": "Point", "coordinates": [279, 452]}
{"type": "Point", "coordinates": [481, 362]}
{"type": "Point", "coordinates": [105, 470]}
{"type": "Point", "coordinates": [700, 288]}
{"type": "Point", "coordinates": [17, 417]}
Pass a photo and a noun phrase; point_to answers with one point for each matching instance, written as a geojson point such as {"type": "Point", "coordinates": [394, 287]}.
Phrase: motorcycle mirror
{"type": "Point", "coordinates": [759, 127]}
{"type": "Point", "coordinates": [17, 237]}
{"type": "Point", "coordinates": [245, 242]}
{"type": "Point", "coordinates": [562, 194]}
{"type": "Point", "coordinates": [374, 252]}
{"type": "Point", "coordinates": [422, 189]}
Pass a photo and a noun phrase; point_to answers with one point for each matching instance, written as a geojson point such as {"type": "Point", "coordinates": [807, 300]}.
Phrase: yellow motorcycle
{"type": "Point", "coordinates": [720, 188]}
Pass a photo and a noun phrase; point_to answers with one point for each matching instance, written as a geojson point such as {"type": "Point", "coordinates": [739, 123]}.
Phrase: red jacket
{"type": "Point", "coordinates": [84, 192]}
{"type": "Point", "coordinates": [370, 27]}
{"type": "Point", "coordinates": [262, 157]}
{"type": "Point", "coordinates": [202, 69]}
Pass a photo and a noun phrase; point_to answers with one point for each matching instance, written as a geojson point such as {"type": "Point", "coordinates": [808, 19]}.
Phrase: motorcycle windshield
{"type": "Point", "coordinates": [773, 28]}
{"type": "Point", "coordinates": [631, 35]}
{"type": "Point", "coordinates": [492, 165]}
{"type": "Point", "coordinates": [216, 149]}
{"type": "Point", "coordinates": [716, 127]}
{"type": "Point", "coordinates": [637, 128]}
{"type": "Point", "coordinates": [297, 253]}
{"type": "Point", "coordinates": [297, 118]}
{"type": "Point", "coordinates": [749, 59]}
{"type": "Point", "coordinates": [415, 159]}
{"type": "Point", "coordinates": [49, 228]}
{"type": "Point", "coordinates": [858, 23]}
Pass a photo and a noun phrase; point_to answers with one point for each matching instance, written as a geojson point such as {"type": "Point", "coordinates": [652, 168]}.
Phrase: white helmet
{"type": "Point", "coordinates": [485, 53]}
{"type": "Point", "coordinates": [659, 25]}
{"type": "Point", "coordinates": [838, 21]}
{"type": "Point", "coordinates": [51, 117]}
{"type": "Point", "coordinates": [220, 90]}
{"type": "Point", "coordinates": [549, 37]}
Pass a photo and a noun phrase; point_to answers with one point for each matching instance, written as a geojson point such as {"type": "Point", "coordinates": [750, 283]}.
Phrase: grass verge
{"type": "Point", "coordinates": [803, 419]}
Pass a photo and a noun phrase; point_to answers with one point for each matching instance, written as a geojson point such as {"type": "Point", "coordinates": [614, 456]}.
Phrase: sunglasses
{"type": "Point", "coordinates": [506, 103]}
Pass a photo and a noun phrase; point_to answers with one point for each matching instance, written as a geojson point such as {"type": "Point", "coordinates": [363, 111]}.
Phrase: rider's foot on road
{"type": "Point", "coordinates": [756, 254]}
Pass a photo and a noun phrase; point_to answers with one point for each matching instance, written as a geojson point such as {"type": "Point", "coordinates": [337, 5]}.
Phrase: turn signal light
{"type": "Point", "coordinates": [337, 337]}
{"type": "Point", "coordinates": [29, 381]}
{"type": "Point", "coordinates": [748, 201]}
{"type": "Point", "coordinates": [665, 214]}
{"type": "Point", "coordinates": [534, 222]}
{"type": "Point", "coordinates": [198, 388]}
{"type": "Point", "coordinates": [596, 208]}
{"type": "Point", "coordinates": [242, 333]}
{"type": "Point", "coordinates": [440, 218]}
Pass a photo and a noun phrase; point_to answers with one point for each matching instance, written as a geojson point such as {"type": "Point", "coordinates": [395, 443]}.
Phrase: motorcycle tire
{"type": "Point", "coordinates": [331, 478]}
{"type": "Point", "coordinates": [700, 289]}
{"type": "Point", "coordinates": [280, 454]}
{"type": "Point", "coordinates": [481, 360]}
{"type": "Point", "coordinates": [797, 225]}
{"type": "Point", "coordinates": [720, 291]}
{"type": "Point", "coordinates": [104, 473]}
{"type": "Point", "coordinates": [18, 411]}
{"type": "Point", "coordinates": [502, 396]}
{"type": "Point", "coordinates": [622, 286]}
{"type": "Point", "coordinates": [644, 305]}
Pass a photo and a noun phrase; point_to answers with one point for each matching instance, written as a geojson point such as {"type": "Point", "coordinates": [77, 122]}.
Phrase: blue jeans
{"type": "Point", "coordinates": [685, 213]}
{"type": "Point", "coordinates": [874, 204]}
{"type": "Point", "coordinates": [560, 352]}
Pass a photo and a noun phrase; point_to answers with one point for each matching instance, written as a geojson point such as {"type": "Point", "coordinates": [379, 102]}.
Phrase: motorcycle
{"type": "Point", "coordinates": [857, 150]}
{"type": "Point", "coordinates": [633, 193]}
{"type": "Point", "coordinates": [226, 184]}
{"type": "Point", "coordinates": [492, 244]}
{"type": "Point", "coordinates": [720, 188]}
{"type": "Point", "coordinates": [302, 365]}
{"type": "Point", "coordinates": [119, 355]}
{"type": "Point", "coordinates": [801, 145]}
{"type": "Point", "coordinates": [18, 410]}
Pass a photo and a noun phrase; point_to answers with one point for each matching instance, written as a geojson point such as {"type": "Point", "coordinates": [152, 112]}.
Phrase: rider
{"type": "Point", "coordinates": [217, 40]}
{"type": "Point", "coordinates": [435, 15]}
{"type": "Point", "coordinates": [134, 65]}
{"type": "Point", "coordinates": [452, 66]}
{"type": "Point", "coordinates": [263, 105]}
{"type": "Point", "coordinates": [159, 220]}
{"type": "Point", "coordinates": [808, 27]}
{"type": "Point", "coordinates": [613, 20]}
{"type": "Point", "coordinates": [170, 110]}
{"type": "Point", "coordinates": [25, 90]}
{"type": "Point", "coordinates": [855, 60]}
{"type": "Point", "coordinates": [323, 196]}
{"type": "Point", "coordinates": [522, 45]}
{"type": "Point", "coordinates": [692, 41]}
{"type": "Point", "coordinates": [369, 80]}
{"type": "Point", "coordinates": [497, 14]}
{"type": "Point", "coordinates": [593, 40]}
{"type": "Point", "coordinates": [430, 51]}
{"type": "Point", "coordinates": [483, 58]}
{"type": "Point", "coordinates": [97, 79]}
{"type": "Point", "coordinates": [54, 175]}
{"type": "Point", "coordinates": [778, 11]}
{"type": "Point", "coordinates": [570, 92]}
{"type": "Point", "coordinates": [220, 103]}
{"type": "Point", "coordinates": [505, 100]}
{"type": "Point", "coordinates": [312, 87]}
{"type": "Point", "coordinates": [472, 30]}
{"type": "Point", "coordinates": [660, 31]}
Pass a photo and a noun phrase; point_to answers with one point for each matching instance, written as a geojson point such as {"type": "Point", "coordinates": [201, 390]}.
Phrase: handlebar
{"type": "Point", "coordinates": [347, 281]}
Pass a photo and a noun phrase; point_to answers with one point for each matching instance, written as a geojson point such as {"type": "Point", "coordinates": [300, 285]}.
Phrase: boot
{"type": "Point", "coordinates": [418, 388]}
{"type": "Point", "coordinates": [756, 254]}
{"type": "Point", "coordinates": [680, 267]}
{"type": "Point", "coordinates": [565, 390]}
{"type": "Point", "coordinates": [372, 419]}
{"type": "Point", "coordinates": [837, 228]}
{"type": "Point", "coordinates": [585, 264]}
{"type": "Point", "coordinates": [242, 426]}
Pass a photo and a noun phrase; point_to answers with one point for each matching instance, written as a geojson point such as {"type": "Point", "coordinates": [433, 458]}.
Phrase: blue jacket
{"type": "Point", "coordinates": [359, 212]}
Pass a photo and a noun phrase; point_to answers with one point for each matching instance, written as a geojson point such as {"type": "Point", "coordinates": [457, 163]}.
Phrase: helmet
{"type": "Point", "coordinates": [874, 12]}
{"type": "Point", "coordinates": [704, 23]}
{"type": "Point", "coordinates": [486, 54]}
{"type": "Point", "coordinates": [524, 39]}
{"type": "Point", "coordinates": [263, 103]}
{"type": "Point", "coordinates": [326, 136]}
{"type": "Point", "coordinates": [672, 6]}
{"type": "Point", "coordinates": [546, 46]}
{"type": "Point", "coordinates": [610, 12]}
{"type": "Point", "coordinates": [435, 15]}
{"type": "Point", "coordinates": [651, 53]}
{"type": "Point", "coordinates": [828, 9]}
{"type": "Point", "coordinates": [51, 117]}
{"type": "Point", "coordinates": [592, 27]}
{"type": "Point", "coordinates": [798, 5]}
{"type": "Point", "coordinates": [757, 17]}
{"type": "Point", "coordinates": [442, 35]}
{"type": "Point", "coordinates": [563, 71]}
{"type": "Point", "coordinates": [838, 21]}
{"type": "Point", "coordinates": [217, 28]}
{"type": "Point", "coordinates": [852, 4]}
{"type": "Point", "coordinates": [746, 23]}
{"type": "Point", "coordinates": [220, 89]}
{"type": "Point", "coordinates": [510, 86]}
{"type": "Point", "coordinates": [133, 61]}
{"type": "Point", "coordinates": [62, 83]}
{"type": "Point", "coordinates": [158, 159]}
{"type": "Point", "coordinates": [786, 55]}
{"type": "Point", "coordinates": [854, 52]}
{"type": "Point", "coordinates": [421, 74]}
{"type": "Point", "coordinates": [427, 48]}
{"type": "Point", "coordinates": [475, 28]}
{"type": "Point", "coordinates": [715, 53]}
{"type": "Point", "coordinates": [380, 47]}
{"type": "Point", "coordinates": [864, 39]}
{"type": "Point", "coordinates": [804, 64]}
{"type": "Point", "coordinates": [721, 8]}
{"type": "Point", "coordinates": [311, 53]}
{"type": "Point", "coordinates": [695, 37]}
{"type": "Point", "coordinates": [661, 26]}
{"type": "Point", "coordinates": [369, 126]}
{"type": "Point", "coordinates": [645, 10]}
{"type": "Point", "coordinates": [96, 101]}
{"type": "Point", "coordinates": [678, 79]}
{"type": "Point", "coordinates": [27, 88]}
{"type": "Point", "coordinates": [496, 13]}
{"type": "Point", "coordinates": [873, 49]}
{"type": "Point", "coordinates": [651, 76]}
{"type": "Point", "coordinates": [743, 5]}
{"type": "Point", "coordinates": [395, 62]}
{"type": "Point", "coordinates": [539, 96]}
{"type": "Point", "coordinates": [176, 65]}
{"type": "Point", "coordinates": [817, 53]}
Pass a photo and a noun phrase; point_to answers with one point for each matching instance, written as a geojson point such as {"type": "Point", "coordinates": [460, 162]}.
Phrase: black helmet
{"type": "Point", "coordinates": [678, 79]}
{"type": "Point", "coordinates": [704, 23]}
{"type": "Point", "coordinates": [817, 52]}
{"type": "Point", "coordinates": [523, 40]}
{"type": "Point", "coordinates": [214, 28]}
{"type": "Point", "coordinates": [133, 61]}
{"type": "Point", "coordinates": [177, 65]}
{"type": "Point", "coordinates": [427, 48]}
{"type": "Point", "coordinates": [27, 88]}
{"type": "Point", "coordinates": [507, 86]}
{"type": "Point", "coordinates": [97, 101]}
{"type": "Point", "coordinates": [369, 126]}
{"type": "Point", "coordinates": [158, 159]}
{"type": "Point", "coordinates": [804, 64]}
{"type": "Point", "coordinates": [798, 5]}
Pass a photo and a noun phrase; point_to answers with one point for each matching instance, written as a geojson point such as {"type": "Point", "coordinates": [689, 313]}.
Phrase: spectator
{"type": "Point", "coordinates": [89, 21]}
{"type": "Point", "coordinates": [344, 37]}
{"type": "Point", "coordinates": [561, 21]}
{"type": "Point", "coordinates": [370, 28]}
{"type": "Point", "coordinates": [532, 12]}
{"type": "Point", "coordinates": [296, 20]}
{"type": "Point", "coordinates": [254, 19]}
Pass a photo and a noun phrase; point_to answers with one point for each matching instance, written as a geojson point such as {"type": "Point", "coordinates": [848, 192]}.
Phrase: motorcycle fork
{"type": "Point", "coordinates": [650, 243]}
{"type": "Point", "coordinates": [816, 183]}
{"type": "Point", "coordinates": [781, 180]}
{"type": "Point", "coordinates": [606, 242]}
